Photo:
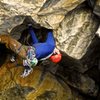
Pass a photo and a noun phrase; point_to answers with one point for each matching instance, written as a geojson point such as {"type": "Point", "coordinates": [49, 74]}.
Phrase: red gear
{"type": "Point", "coordinates": [56, 58]}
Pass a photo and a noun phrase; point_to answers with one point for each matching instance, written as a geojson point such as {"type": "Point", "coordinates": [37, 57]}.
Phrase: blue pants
{"type": "Point", "coordinates": [42, 49]}
{"type": "Point", "coordinates": [49, 40]}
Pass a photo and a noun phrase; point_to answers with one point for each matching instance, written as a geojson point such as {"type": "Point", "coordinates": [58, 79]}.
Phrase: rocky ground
{"type": "Point", "coordinates": [75, 24]}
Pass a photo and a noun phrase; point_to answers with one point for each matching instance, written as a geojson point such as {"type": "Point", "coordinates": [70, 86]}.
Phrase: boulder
{"type": "Point", "coordinates": [76, 32]}
{"type": "Point", "coordinates": [39, 85]}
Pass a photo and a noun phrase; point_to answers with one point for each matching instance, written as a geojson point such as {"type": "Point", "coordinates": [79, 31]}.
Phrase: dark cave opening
{"type": "Point", "coordinates": [21, 33]}
{"type": "Point", "coordinates": [3, 53]}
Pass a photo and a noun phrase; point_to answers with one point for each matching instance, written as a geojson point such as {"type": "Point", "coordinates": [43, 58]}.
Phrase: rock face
{"type": "Point", "coordinates": [74, 24]}
{"type": "Point", "coordinates": [36, 86]}
{"type": "Point", "coordinates": [59, 6]}
{"type": "Point", "coordinates": [13, 12]}
{"type": "Point", "coordinates": [76, 32]}
{"type": "Point", "coordinates": [97, 7]}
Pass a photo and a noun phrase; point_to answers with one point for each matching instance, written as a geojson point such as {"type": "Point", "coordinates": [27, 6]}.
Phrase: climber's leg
{"type": "Point", "coordinates": [32, 33]}
{"type": "Point", "coordinates": [50, 39]}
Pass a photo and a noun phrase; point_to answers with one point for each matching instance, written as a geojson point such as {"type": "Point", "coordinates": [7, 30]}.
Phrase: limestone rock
{"type": "Point", "coordinates": [20, 7]}
{"type": "Point", "coordinates": [50, 21]}
{"type": "Point", "coordinates": [97, 8]}
{"type": "Point", "coordinates": [74, 28]}
{"type": "Point", "coordinates": [53, 11]}
{"type": "Point", "coordinates": [76, 32]}
{"type": "Point", "coordinates": [8, 23]}
{"type": "Point", "coordinates": [39, 85]}
{"type": "Point", "coordinates": [59, 6]}
{"type": "Point", "coordinates": [13, 12]}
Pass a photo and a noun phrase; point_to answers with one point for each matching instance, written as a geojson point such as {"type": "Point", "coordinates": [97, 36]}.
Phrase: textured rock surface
{"type": "Point", "coordinates": [74, 25]}
{"type": "Point", "coordinates": [84, 84]}
{"type": "Point", "coordinates": [97, 8]}
{"type": "Point", "coordinates": [10, 10]}
{"type": "Point", "coordinates": [76, 32]}
{"type": "Point", "coordinates": [70, 72]}
{"type": "Point", "coordinates": [39, 85]}
{"type": "Point", "coordinates": [59, 6]}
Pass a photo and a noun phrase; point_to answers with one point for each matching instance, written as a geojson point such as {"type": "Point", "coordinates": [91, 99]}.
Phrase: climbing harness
{"type": "Point", "coordinates": [30, 60]}
{"type": "Point", "coordinates": [30, 52]}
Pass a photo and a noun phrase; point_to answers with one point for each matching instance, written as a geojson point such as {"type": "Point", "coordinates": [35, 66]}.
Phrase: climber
{"type": "Point", "coordinates": [32, 54]}
{"type": "Point", "coordinates": [41, 51]}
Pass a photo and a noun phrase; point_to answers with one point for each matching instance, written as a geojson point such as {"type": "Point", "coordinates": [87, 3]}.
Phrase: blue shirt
{"type": "Point", "coordinates": [43, 50]}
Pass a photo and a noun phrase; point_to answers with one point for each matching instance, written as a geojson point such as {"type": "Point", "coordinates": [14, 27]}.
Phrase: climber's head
{"type": "Point", "coordinates": [56, 57]}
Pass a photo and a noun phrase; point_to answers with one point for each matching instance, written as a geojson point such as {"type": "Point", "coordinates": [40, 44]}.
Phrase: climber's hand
{"type": "Point", "coordinates": [56, 51]}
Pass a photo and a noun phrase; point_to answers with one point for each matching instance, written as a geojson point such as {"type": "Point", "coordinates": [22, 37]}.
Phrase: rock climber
{"type": "Point", "coordinates": [32, 54]}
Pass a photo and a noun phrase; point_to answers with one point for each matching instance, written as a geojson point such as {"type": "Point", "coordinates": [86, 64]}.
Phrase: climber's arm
{"type": "Point", "coordinates": [50, 38]}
